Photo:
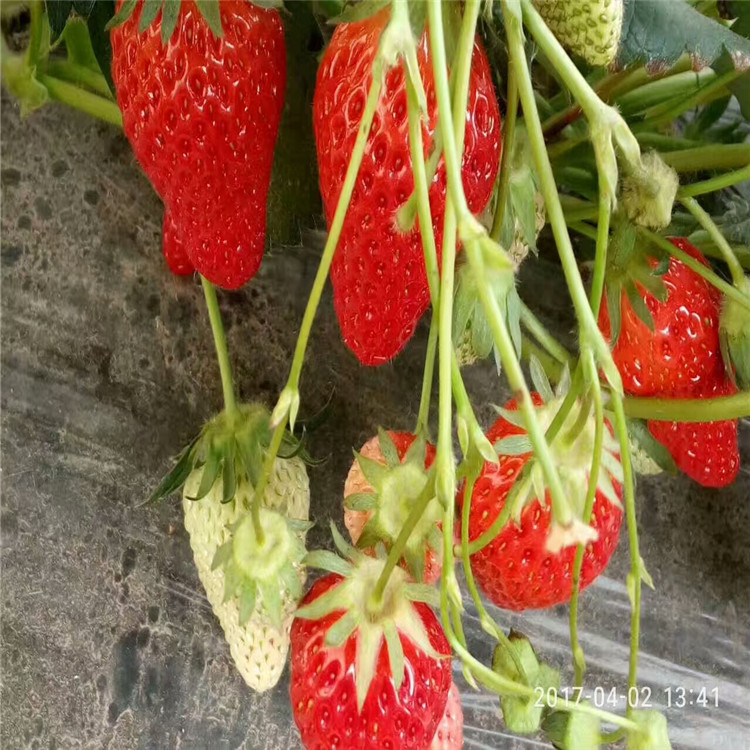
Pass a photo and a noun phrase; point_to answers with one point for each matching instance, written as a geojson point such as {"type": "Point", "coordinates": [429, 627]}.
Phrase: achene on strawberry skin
{"type": "Point", "coordinates": [679, 356]}
{"type": "Point", "coordinates": [202, 114]}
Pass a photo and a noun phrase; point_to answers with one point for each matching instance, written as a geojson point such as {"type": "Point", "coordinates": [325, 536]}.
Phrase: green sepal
{"type": "Point", "coordinates": [360, 501]}
{"type": "Point", "coordinates": [572, 730]}
{"type": "Point", "coordinates": [347, 550]}
{"type": "Point", "coordinates": [176, 478]}
{"type": "Point", "coordinates": [639, 305]}
{"type": "Point", "coordinates": [229, 478]}
{"type": "Point", "coordinates": [222, 555]}
{"type": "Point", "coordinates": [639, 432]}
{"type": "Point", "coordinates": [248, 598]}
{"type": "Point", "coordinates": [651, 733]}
{"type": "Point", "coordinates": [320, 607]}
{"type": "Point", "coordinates": [414, 557]}
{"type": "Point", "coordinates": [521, 714]}
{"type": "Point", "coordinates": [395, 653]}
{"type": "Point", "coordinates": [361, 11]}
{"type": "Point", "coordinates": [422, 592]}
{"type": "Point", "coordinates": [328, 561]}
{"type": "Point", "coordinates": [169, 16]}
{"type": "Point", "coordinates": [210, 474]}
{"type": "Point", "coordinates": [614, 293]}
{"type": "Point", "coordinates": [341, 630]}
{"type": "Point", "coordinates": [209, 9]}
{"type": "Point", "coordinates": [388, 448]}
{"type": "Point", "coordinates": [514, 445]}
{"type": "Point", "coordinates": [271, 600]}
{"type": "Point", "coordinates": [734, 338]}
{"type": "Point", "coordinates": [149, 12]}
{"type": "Point", "coordinates": [374, 472]}
{"type": "Point", "coordinates": [540, 379]}
{"type": "Point", "coordinates": [122, 15]}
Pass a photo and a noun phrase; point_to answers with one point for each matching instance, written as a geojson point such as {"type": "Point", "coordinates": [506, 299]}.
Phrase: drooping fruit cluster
{"type": "Point", "coordinates": [378, 273]}
{"type": "Point", "coordinates": [202, 113]}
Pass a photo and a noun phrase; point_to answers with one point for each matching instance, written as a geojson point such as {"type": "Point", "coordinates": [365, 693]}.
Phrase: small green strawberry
{"type": "Point", "coordinates": [589, 28]}
{"type": "Point", "coordinates": [252, 584]}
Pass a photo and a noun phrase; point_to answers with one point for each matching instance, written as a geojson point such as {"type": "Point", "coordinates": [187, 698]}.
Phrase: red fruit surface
{"type": "Point", "coordinates": [708, 452]}
{"type": "Point", "coordinates": [682, 353]}
{"type": "Point", "coordinates": [174, 249]}
{"type": "Point", "coordinates": [680, 358]}
{"type": "Point", "coordinates": [202, 114]}
{"type": "Point", "coordinates": [356, 483]}
{"type": "Point", "coordinates": [450, 731]}
{"type": "Point", "coordinates": [515, 570]}
{"type": "Point", "coordinates": [378, 274]}
{"type": "Point", "coordinates": [323, 693]}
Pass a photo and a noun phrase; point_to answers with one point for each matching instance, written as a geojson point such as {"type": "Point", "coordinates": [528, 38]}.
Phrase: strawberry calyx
{"type": "Point", "coordinates": [734, 338]}
{"type": "Point", "coordinates": [517, 661]}
{"type": "Point", "coordinates": [396, 486]}
{"type": "Point", "coordinates": [375, 621]}
{"type": "Point", "coordinates": [648, 192]}
{"type": "Point", "coordinates": [262, 572]}
{"type": "Point", "coordinates": [633, 272]}
{"type": "Point", "coordinates": [230, 448]}
{"type": "Point", "coordinates": [571, 450]}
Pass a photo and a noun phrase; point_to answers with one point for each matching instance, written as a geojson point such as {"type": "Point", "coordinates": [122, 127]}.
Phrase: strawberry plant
{"type": "Point", "coordinates": [454, 143]}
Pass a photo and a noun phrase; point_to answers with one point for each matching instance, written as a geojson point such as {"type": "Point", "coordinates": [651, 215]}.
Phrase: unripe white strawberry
{"type": "Point", "coordinates": [589, 28]}
{"type": "Point", "coordinates": [258, 647]}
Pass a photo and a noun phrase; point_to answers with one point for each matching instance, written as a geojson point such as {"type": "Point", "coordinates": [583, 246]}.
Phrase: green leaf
{"type": "Point", "coordinates": [657, 33]}
{"type": "Point", "coordinates": [169, 16]}
{"type": "Point", "coordinates": [209, 9]}
{"type": "Point", "coordinates": [58, 12]}
{"type": "Point", "coordinates": [247, 601]}
{"type": "Point", "coordinates": [149, 13]}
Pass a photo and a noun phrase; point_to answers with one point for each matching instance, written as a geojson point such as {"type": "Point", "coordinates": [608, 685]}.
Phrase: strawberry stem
{"type": "Point", "coordinates": [703, 158]}
{"type": "Point", "coordinates": [537, 329]}
{"type": "Point", "coordinates": [85, 101]}
{"type": "Point", "coordinates": [703, 218]}
{"type": "Point", "coordinates": [636, 575]}
{"type": "Point", "coordinates": [579, 661]}
{"type": "Point", "coordinates": [509, 134]}
{"type": "Point", "coordinates": [589, 329]}
{"type": "Point", "coordinates": [715, 183]}
{"type": "Point", "coordinates": [220, 342]}
{"type": "Point", "coordinates": [689, 409]}
{"type": "Point", "coordinates": [69, 71]}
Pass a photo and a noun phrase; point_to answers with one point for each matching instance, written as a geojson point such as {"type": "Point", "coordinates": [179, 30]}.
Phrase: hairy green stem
{"type": "Point", "coordinates": [85, 101]}
{"type": "Point", "coordinates": [600, 262]}
{"type": "Point", "coordinates": [715, 183]}
{"type": "Point", "coordinates": [79, 75]}
{"type": "Point", "coordinates": [537, 329]}
{"type": "Point", "coordinates": [689, 409]}
{"type": "Point", "coordinates": [703, 218]}
{"type": "Point", "coordinates": [715, 156]}
{"type": "Point", "coordinates": [588, 326]}
{"type": "Point", "coordinates": [621, 431]}
{"type": "Point", "coordinates": [220, 342]}
{"type": "Point", "coordinates": [509, 135]}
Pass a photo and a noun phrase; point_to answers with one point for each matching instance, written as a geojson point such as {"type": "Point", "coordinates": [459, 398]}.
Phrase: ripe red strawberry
{"type": "Point", "coordinates": [680, 358]}
{"type": "Point", "coordinates": [450, 731]}
{"type": "Point", "coordinates": [393, 499]}
{"type": "Point", "coordinates": [379, 280]}
{"type": "Point", "coordinates": [202, 114]}
{"type": "Point", "coordinates": [343, 690]}
{"type": "Point", "coordinates": [516, 570]}
{"type": "Point", "coordinates": [174, 249]}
